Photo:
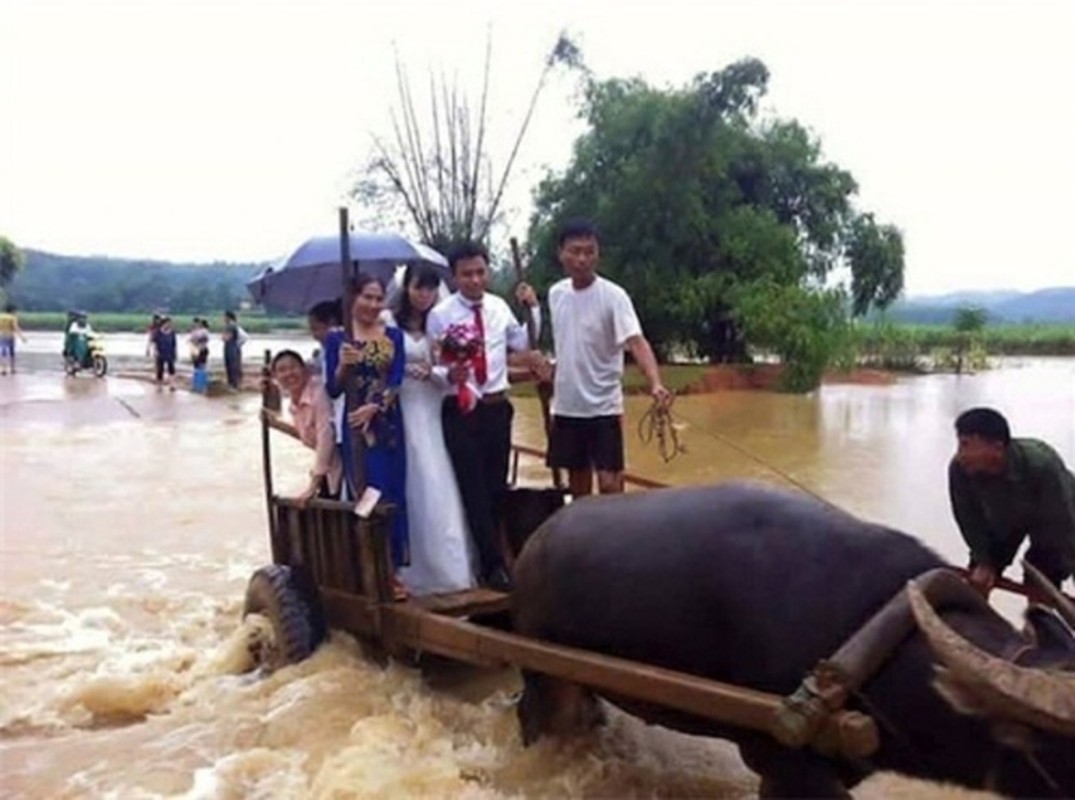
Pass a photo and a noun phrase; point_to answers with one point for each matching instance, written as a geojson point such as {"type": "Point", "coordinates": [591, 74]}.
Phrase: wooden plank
{"type": "Point", "coordinates": [405, 625]}
{"type": "Point", "coordinates": [464, 603]}
{"type": "Point", "coordinates": [296, 541]}
{"type": "Point", "coordinates": [319, 547]}
{"type": "Point", "coordinates": [351, 613]}
{"type": "Point", "coordinates": [367, 557]}
{"type": "Point", "coordinates": [377, 525]}
{"type": "Point", "coordinates": [466, 641]}
{"type": "Point", "coordinates": [278, 536]}
{"type": "Point", "coordinates": [345, 533]}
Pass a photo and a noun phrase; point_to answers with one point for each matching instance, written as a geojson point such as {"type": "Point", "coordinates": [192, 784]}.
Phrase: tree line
{"type": "Point", "coordinates": [48, 282]}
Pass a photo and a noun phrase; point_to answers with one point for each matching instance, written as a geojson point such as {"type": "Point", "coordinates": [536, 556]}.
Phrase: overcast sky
{"type": "Point", "coordinates": [229, 130]}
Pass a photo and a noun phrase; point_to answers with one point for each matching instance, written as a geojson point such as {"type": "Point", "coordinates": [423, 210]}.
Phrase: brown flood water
{"type": "Point", "coordinates": [130, 521]}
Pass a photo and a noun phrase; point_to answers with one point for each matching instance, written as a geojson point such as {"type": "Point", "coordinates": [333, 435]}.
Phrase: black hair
{"type": "Point", "coordinates": [363, 280]}
{"type": "Point", "coordinates": [577, 228]}
{"type": "Point", "coordinates": [276, 359]}
{"type": "Point", "coordinates": [424, 277]}
{"type": "Point", "coordinates": [327, 311]}
{"type": "Point", "coordinates": [465, 250]}
{"type": "Point", "coordinates": [10, 308]}
{"type": "Point", "coordinates": [985, 423]}
{"type": "Point", "coordinates": [230, 315]}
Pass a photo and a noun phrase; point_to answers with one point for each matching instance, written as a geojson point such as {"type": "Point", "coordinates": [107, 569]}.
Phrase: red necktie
{"type": "Point", "coordinates": [481, 369]}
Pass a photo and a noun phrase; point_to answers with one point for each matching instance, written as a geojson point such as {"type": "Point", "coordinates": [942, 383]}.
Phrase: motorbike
{"type": "Point", "coordinates": [93, 355]}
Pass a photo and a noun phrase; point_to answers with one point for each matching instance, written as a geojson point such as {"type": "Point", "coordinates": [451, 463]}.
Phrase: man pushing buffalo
{"type": "Point", "coordinates": [1005, 490]}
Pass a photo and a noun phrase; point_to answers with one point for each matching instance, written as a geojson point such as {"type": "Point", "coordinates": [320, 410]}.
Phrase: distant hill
{"type": "Point", "coordinates": [52, 282]}
{"type": "Point", "coordinates": [1052, 305]}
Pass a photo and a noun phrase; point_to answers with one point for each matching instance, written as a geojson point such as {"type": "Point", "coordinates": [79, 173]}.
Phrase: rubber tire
{"type": "Point", "coordinates": [273, 593]}
{"type": "Point", "coordinates": [100, 366]}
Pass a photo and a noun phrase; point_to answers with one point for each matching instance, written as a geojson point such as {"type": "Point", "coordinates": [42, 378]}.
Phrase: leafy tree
{"type": "Point", "coordinates": [875, 253]}
{"type": "Point", "coordinates": [713, 219]}
{"type": "Point", "coordinates": [807, 329]}
{"type": "Point", "coordinates": [436, 174]}
{"type": "Point", "coordinates": [969, 322]}
{"type": "Point", "coordinates": [11, 261]}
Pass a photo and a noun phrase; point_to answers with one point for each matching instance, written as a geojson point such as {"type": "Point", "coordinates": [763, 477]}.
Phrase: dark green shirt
{"type": "Point", "coordinates": [1034, 496]}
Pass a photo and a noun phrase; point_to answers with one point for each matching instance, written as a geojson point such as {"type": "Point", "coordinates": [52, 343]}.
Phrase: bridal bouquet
{"type": "Point", "coordinates": [461, 345]}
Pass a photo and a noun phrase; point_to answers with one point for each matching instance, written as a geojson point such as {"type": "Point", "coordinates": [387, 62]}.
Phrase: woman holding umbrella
{"type": "Point", "coordinates": [369, 374]}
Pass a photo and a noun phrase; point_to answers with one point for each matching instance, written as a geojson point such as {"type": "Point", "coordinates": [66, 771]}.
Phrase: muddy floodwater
{"type": "Point", "coordinates": [132, 518]}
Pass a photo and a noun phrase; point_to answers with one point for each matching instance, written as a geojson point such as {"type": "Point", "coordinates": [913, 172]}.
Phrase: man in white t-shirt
{"type": "Point", "coordinates": [593, 322]}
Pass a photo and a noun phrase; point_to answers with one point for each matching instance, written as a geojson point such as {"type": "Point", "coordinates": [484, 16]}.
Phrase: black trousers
{"type": "Point", "coordinates": [479, 444]}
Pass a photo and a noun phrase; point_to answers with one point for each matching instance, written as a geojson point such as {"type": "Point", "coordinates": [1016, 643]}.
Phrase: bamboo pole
{"type": "Point", "coordinates": [544, 389]}
{"type": "Point", "coordinates": [270, 402]}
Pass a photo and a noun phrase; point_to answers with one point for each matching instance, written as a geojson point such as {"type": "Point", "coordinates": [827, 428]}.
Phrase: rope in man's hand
{"type": "Point", "coordinates": [658, 423]}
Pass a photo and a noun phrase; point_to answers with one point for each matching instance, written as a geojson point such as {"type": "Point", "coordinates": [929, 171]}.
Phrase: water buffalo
{"type": "Point", "coordinates": [753, 586]}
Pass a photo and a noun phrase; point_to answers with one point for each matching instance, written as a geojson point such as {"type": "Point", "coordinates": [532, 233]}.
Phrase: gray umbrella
{"type": "Point", "coordinates": [312, 274]}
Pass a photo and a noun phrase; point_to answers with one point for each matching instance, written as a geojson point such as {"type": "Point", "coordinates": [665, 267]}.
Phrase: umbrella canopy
{"type": "Point", "coordinates": [311, 274]}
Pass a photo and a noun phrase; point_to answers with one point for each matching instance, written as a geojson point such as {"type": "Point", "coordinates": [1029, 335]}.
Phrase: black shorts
{"type": "Point", "coordinates": [587, 443]}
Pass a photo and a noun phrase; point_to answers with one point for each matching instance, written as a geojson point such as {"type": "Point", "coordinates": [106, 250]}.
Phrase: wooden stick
{"type": "Point", "coordinates": [267, 401]}
{"type": "Point", "coordinates": [544, 389]}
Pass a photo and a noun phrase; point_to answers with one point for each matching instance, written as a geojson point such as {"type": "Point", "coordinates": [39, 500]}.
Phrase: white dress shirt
{"type": "Point", "coordinates": [503, 332]}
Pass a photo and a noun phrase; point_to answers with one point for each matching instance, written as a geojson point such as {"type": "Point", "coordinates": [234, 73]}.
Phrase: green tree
{"type": "Point", "coordinates": [11, 261]}
{"type": "Point", "coordinates": [969, 322]}
{"type": "Point", "coordinates": [704, 207]}
{"type": "Point", "coordinates": [875, 255]}
{"type": "Point", "coordinates": [807, 329]}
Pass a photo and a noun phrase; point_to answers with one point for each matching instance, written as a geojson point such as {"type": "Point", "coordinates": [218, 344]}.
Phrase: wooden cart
{"type": "Point", "coordinates": [332, 570]}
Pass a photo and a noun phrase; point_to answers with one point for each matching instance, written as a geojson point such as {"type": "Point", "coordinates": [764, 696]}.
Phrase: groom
{"type": "Point", "coordinates": [479, 440]}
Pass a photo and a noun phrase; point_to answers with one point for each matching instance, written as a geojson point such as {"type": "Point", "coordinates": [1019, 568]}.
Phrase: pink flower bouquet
{"type": "Point", "coordinates": [461, 345]}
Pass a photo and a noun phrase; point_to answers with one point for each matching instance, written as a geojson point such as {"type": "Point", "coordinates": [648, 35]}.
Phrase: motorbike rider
{"type": "Point", "coordinates": [78, 337]}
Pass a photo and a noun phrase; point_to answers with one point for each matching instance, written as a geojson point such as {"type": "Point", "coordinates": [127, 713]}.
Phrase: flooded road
{"type": "Point", "coordinates": [130, 520]}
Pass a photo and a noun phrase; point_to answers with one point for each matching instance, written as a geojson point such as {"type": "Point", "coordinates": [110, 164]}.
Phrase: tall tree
{"type": "Point", "coordinates": [713, 218]}
{"type": "Point", "coordinates": [435, 173]}
{"type": "Point", "coordinates": [11, 261]}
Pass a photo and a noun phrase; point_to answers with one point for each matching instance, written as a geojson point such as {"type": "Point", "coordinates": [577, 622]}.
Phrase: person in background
{"type": "Point", "coordinates": [312, 416]}
{"type": "Point", "coordinates": [198, 344]}
{"type": "Point", "coordinates": [593, 323]}
{"type": "Point", "coordinates": [151, 332]}
{"type": "Point", "coordinates": [1005, 490]}
{"type": "Point", "coordinates": [77, 339]}
{"type": "Point", "coordinates": [9, 329]}
{"type": "Point", "coordinates": [164, 347]}
{"type": "Point", "coordinates": [233, 350]}
{"type": "Point", "coordinates": [323, 321]}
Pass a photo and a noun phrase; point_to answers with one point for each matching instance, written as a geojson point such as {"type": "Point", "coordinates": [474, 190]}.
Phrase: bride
{"type": "Point", "coordinates": [442, 557]}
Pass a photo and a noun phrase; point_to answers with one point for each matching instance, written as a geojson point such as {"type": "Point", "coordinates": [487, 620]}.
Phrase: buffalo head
{"type": "Point", "coordinates": [1030, 704]}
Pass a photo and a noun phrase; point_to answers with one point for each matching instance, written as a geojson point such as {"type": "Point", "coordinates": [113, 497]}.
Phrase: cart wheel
{"type": "Point", "coordinates": [100, 366]}
{"type": "Point", "coordinates": [69, 366]}
{"type": "Point", "coordinates": [274, 593]}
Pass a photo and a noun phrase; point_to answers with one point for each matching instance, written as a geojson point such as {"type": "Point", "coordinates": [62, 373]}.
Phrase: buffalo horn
{"type": "Point", "coordinates": [1063, 605]}
{"type": "Point", "coordinates": [1041, 698]}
